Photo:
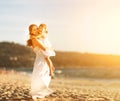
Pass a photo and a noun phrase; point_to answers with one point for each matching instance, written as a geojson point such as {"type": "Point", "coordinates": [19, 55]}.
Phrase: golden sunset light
{"type": "Point", "coordinates": [81, 25]}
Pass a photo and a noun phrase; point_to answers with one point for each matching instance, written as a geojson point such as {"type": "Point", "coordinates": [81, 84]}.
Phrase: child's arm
{"type": "Point", "coordinates": [36, 43]}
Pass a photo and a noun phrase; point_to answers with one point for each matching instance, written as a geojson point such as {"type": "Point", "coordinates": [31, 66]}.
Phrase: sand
{"type": "Point", "coordinates": [16, 87]}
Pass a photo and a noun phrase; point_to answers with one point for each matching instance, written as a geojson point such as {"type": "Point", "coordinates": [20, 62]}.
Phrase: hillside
{"type": "Point", "coordinates": [76, 59]}
{"type": "Point", "coordinates": [16, 55]}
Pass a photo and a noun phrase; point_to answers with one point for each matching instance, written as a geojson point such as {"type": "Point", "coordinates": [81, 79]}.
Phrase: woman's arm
{"type": "Point", "coordinates": [36, 43]}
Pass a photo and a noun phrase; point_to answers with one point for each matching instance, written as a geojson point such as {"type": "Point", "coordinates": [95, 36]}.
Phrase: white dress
{"type": "Point", "coordinates": [40, 76]}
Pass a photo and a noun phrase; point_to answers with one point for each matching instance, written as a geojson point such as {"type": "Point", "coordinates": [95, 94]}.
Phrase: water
{"type": "Point", "coordinates": [82, 72]}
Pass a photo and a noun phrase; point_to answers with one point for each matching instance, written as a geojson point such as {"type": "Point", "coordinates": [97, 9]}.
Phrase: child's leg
{"type": "Point", "coordinates": [51, 67]}
{"type": "Point", "coordinates": [51, 64]}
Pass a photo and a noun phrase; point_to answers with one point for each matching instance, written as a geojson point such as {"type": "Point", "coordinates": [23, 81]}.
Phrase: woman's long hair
{"type": "Point", "coordinates": [29, 42]}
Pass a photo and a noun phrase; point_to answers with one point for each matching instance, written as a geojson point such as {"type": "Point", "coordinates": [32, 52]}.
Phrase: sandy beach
{"type": "Point", "coordinates": [16, 87]}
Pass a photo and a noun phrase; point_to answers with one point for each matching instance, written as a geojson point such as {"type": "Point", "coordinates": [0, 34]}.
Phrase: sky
{"type": "Point", "coordinates": [73, 25]}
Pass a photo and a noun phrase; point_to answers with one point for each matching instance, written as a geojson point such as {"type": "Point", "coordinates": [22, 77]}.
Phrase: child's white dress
{"type": "Point", "coordinates": [40, 76]}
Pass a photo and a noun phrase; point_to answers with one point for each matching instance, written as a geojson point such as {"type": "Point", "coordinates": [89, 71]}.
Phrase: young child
{"type": "Point", "coordinates": [42, 32]}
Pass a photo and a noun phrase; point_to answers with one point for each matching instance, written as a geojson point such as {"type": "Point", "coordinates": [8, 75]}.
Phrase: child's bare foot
{"type": "Point", "coordinates": [51, 72]}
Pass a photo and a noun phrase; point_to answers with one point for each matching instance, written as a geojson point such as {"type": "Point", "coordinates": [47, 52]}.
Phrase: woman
{"type": "Point", "coordinates": [40, 76]}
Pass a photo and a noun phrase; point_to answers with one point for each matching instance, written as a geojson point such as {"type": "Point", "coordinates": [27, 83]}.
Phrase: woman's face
{"type": "Point", "coordinates": [34, 30]}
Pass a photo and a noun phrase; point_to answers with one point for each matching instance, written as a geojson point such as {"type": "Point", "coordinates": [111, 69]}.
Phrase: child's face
{"type": "Point", "coordinates": [44, 29]}
{"type": "Point", "coordinates": [44, 32]}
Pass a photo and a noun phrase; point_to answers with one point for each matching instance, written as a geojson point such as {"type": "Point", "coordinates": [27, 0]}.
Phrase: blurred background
{"type": "Point", "coordinates": [84, 33]}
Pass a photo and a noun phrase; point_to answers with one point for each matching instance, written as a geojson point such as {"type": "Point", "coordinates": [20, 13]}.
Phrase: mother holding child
{"type": "Point", "coordinates": [43, 67]}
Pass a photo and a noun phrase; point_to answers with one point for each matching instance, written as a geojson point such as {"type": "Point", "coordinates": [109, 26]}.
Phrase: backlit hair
{"type": "Point", "coordinates": [42, 25]}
